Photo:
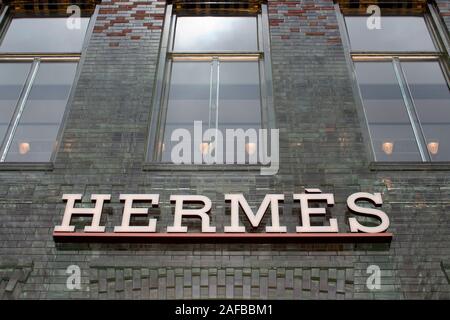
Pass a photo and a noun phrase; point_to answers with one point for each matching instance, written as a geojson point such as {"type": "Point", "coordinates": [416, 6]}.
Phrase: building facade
{"type": "Point", "coordinates": [354, 114]}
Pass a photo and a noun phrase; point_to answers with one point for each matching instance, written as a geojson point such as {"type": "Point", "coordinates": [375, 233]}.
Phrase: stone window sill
{"type": "Point", "coordinates": [409, 166]}
{"type": "Point", "coordinates": [26, 166]}
{"type": "Point", "coordinates": [201, 167]}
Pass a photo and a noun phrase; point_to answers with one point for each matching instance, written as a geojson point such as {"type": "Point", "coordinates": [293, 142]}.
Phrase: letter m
{"type": "Point", "coordinates": [238, 200]}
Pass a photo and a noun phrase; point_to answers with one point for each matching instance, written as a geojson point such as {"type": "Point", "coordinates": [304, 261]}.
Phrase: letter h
{"type": "Point", "coordinates": [96, 212]}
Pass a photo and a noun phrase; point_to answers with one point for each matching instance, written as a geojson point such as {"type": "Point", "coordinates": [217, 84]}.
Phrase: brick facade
{"type": "Point", "coordinates": [322, 146]}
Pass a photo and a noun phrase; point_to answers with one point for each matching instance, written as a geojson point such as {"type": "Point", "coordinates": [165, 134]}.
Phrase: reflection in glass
{"type": "Point", "coordinates": [396, 34]}
{"type": "Point", "coordinates": [43, 35]}
{"type": "Point", "coordinates": [216, 34]}
{"type": "Point", "coordinates": [240, 101]}
{"type": "Point", "coordinates": [233, 86]}
{"type": "Point", "coordinates": [189, 97]}
{"type": "Point", "coordinates": [12, 80]}
{"type": "Point", "coordinates": [389, 124]}
{"type": "Point", "coordinates": [431, 97]}
{"type": "Point", "coordinates": [35, 137]}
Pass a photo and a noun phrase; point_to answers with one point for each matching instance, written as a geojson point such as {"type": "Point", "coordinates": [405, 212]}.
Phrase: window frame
{"type": "Point", "coordinates": [160, 93]}
{"type": "Point", "coordinates": [441, 41]}
{"type": "Point", "coordinates": [35, 58]}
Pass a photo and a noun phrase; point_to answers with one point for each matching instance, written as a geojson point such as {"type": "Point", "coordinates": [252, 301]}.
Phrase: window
{"type": "Point", "coordinates": [214, 69]}
{"type": "Point", "coordinates": [38, 63]}
{"type": "Point", "coordinates": [402, 73]}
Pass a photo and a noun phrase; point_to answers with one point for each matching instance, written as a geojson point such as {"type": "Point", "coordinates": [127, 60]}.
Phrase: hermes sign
{"type": "Point", "coordinates": [239, 209]}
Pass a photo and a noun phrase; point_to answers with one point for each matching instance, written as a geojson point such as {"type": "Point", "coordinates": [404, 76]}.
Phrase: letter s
{"type": "Point", "coordinates": [355, 226]}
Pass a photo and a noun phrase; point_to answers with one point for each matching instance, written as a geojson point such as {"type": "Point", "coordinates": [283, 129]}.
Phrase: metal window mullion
{"type": "Point", "coordinates": [48, 57]}
{"type": "Point", "coordinates": [171, 35]}
{"type": "Point", "coordinates": [211, 73]}
{"type": "Point", "coordinates": [217, 96]}
{"type": "Point", "coordinates": [264, 118]}
{"type": "Point", "coordinates": [268, 116]}
{"type": "Point", "coordinates": [161, 122]}
{"type": "Point", "coordinates": [3, 13]}
{"type": "Point", "coordinates": [20, 107]}
{"type": "Point", "coordinates": [155, 141]}
{"type": "Point", "coordinates": [213, 120]}
{"type": "Point", "coordinates": [214, 105]}
{"type": "Point", "coordinates": [439, 31]}
{"type": "Point", "coordinates": [5, 18]}
{"type": "Point", "coordinates": [265, 72]}
{"type": "Point", "coordinates": [407, 98]}
{"type": "Point", "coordinates": [215, 54]}
{"type": "Point", "coordinates": [259, 32]}
{"type": "Point", "coordinates": [422, 136]}
{"type": "Point", "coordinates": [357, 57]}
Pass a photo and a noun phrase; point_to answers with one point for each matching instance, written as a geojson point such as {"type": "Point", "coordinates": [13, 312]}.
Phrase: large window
{"type": "Point", "coordinates": [401, 69]}
{"type": "Point", "coordinates": [216, 71]}
{"type": "Point", "coordinates": [38, 62]}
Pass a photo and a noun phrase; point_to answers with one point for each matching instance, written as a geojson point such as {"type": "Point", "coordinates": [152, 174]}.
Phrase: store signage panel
{"type": "Point", "coordinates": [239, 209]}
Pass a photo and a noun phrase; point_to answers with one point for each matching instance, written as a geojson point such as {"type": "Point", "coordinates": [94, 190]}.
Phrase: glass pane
{"type": "Point", "coordinates": [396, 34]}
{"type": "Point", "coordinates": [240, 101]}
{"type": "Point", "coordinates": [12, 80]}
{"type": "Point", "coordinates": [188, 101]}
{"type": "Point", "coordinates": [43, 35]}
{"type": "Point", "coordinates": [389, 124]}
{"type": "Point", "coordinates": [432, 102]}
{"type": "Point", "coordinates": [216, 34]}
{"type": "Point", "coordinates": [36, 134]}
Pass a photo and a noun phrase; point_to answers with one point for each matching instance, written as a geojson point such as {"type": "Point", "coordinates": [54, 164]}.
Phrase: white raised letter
{"type": "Point", "coordinates": [255, 219]}
{"type": "Point", "coordinates": [180, 212]}
{"type": "Point", "coordinates": [129, 210]}
{"type": "Point", "coordinates": [355, 226]}
{"type": "Point", "coordinates": [96, 212]}
{"type": "Point", "coordinates": [307, 211]}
